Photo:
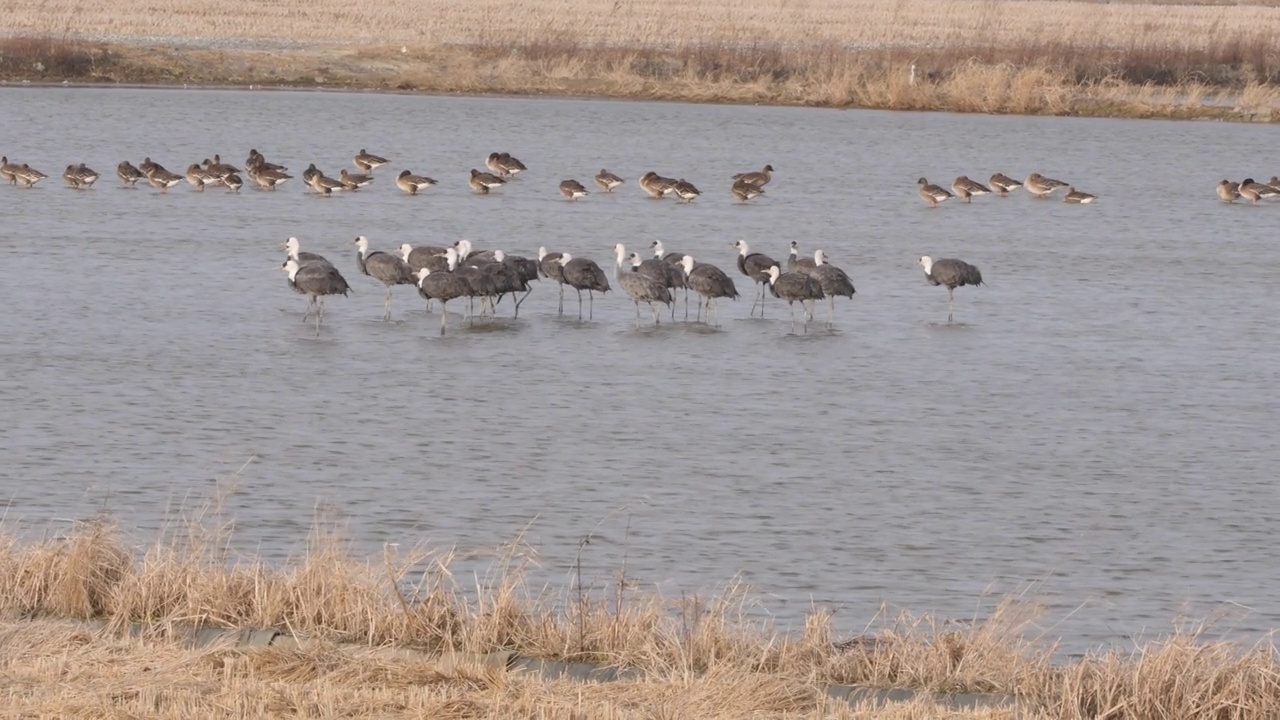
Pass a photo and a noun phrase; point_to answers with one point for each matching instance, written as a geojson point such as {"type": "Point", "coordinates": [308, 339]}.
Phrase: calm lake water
{"type": "Point", "coordinates": [1098, 424]}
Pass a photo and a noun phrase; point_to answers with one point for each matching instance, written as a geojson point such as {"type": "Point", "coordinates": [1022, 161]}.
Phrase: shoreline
{"type": "Point", "coordinates": [473, 70]}
{"type": "Point", "coordinates": [343, 615]}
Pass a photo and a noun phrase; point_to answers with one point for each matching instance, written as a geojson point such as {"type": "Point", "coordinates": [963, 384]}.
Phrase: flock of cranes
{"type": "Point", "coordinates": [444, 274]}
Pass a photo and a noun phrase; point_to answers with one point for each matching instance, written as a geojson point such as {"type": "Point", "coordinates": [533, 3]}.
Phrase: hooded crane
{"type": "Point", "coordinates": [383, 267]}
{"type": "Point", "coordinates": [670, 275]}
{"type": "Point", "coordinates": [640, 287]}
{"type": "Point", "coordinates": [293, 248]}
{"type": "Point", "coordinates": [710, 282]}
{"type": "Point", "coordinates": [550, 267]}
{"type": "Point", "coordinates": [755, 266]}
{"type": "Point", "coordinates": [315, 280]}
{"type": "Point", "coordinates": [583, 274]}
{"type": "Point", "coordinates": [792, 287]}
{"type": "Point", "coordinates": [834, 282]}
{"type": "Point", "coordinates": [950, 272]}
{"type": "Point", "coordinates": [442, 286]}
{"type": "Point", "coordinates": [427, 256]}
{"type": "Point", "coordinates": [795, 263]}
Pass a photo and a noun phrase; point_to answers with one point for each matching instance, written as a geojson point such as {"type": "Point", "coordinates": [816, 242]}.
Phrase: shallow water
{"type": "Point", "coordinates": [1098, 422]}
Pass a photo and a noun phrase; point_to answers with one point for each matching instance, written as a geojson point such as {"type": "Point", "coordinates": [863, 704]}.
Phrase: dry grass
{"type": "Point", "coordinates": [1003, 56]}
{"type": "Point", "coordinates": [696, 657]}
{"type": "Point", "coordinates": [59, 669]}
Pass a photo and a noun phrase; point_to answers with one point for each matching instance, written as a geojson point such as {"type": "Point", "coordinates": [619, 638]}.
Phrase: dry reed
{"type": "Point", "coordinates": [693, 651]}
{"type": "Point", "coordinates": [1000, 56]}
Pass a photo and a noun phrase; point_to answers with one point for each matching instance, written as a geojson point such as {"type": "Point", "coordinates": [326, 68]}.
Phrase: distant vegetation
{"type": "Point", "coordinates": [1000, 56]}
{"type": "Point", "coordinates": [698, 656]}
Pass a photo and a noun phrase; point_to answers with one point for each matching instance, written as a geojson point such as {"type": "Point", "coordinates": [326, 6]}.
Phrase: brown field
{"type": "Point", "coordinates": [1000, 56]}
{"type": "Point", "coordinates": [694, 656]}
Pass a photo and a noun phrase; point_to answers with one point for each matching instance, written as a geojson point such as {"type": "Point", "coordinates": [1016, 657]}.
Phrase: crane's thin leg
{"type": "Point", "coordinates": [673, 310]}
{"type": "Point", "coordinates": [591, 311]}
{"type": "Point", "coordinates": [317, 325]}
{"type": "Point", "coordinates": [951, 303]}
{"type": "Point", "coordinates": [831, 310]}
{"type": "Point", "coordinates": [657, 320]}
{"type": "Point", "coordinates": [579, 304]}
{"type": "Point", "coordinates": [522, 299]}
{"type": "Point", "coordinates": [386, 315]}
{"type": "Point", "coordinates": [755, 300]}
{"type": "Point", "coordinates": [637, 302]}
{"type": "Point", "coordinates": [562, 298]}
{"type": "Point", "coordinates": [444, 320]}
{"type": "Point", "coordinates": [686, 302]}
{"type": "Point", "coordinates": [792, 305]}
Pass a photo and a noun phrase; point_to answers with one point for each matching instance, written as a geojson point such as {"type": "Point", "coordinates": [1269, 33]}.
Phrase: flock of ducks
{"type": "Point", "coordinates": [1038, 185]}
{"type": "Point", "coordinates": [501, 167]}
{"type": "Point", "coordinates": [1252, 191]}
{"type": "Point", "coordinates": [459, 271]}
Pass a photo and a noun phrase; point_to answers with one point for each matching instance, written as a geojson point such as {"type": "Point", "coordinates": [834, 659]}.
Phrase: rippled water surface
{"type": "Point", "coordinates": [1100, 420]}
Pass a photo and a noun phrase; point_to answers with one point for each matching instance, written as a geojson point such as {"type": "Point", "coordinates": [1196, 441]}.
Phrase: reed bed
{"type": "Point", "coordinates": [695, 656]}
{"type": "Point", "coordinates": [998, 56]}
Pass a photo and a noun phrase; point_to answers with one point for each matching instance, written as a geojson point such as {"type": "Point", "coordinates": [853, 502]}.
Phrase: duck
{"type": "Point", "coordinates": [685, 190]}
{"type": "Point", "coordinates": [233, 182]}
{"type": "Point", "coordinates": [411, 183]}
{"type": "Point", "coordinates": [482, 182]}
{"type": "Point", "coordinates": [8, 170]}
{"type": "Point", "coordinates": [199, 177]}
{"type": "Point", "coordinates": [933, 194]}
{"type": "Point", "coordinates": [607, 180]}
{"type": "Point", "coordinates": [79, 176]}
{"type": "Point", "coordinates": [354, 181]}
{"type": "Point", "coordinates": [1041, 186]}
{"type": "Point", "coordinates": [1002, 184]}
{"type": "Point", "coordinates": [656, 185]}
{"type": "Point", "coordinates": [265, 177]}
{"type": "Point", "coordinates": [966, 188]}
{"type": "Point", "coordinates": [573, 189]}
{"type": "Point", "coordinates": [743, 191]}
{"type": "Point", "coordinates": [325, 185]}
{"type": "Point", "coordinates": [1228, 191]}
{"type": "Point", "coordinates": [1077, 196]}
{"type": "Point", "coordinates": [510, 165]}
{"type": "Point", "coordinates": [162, 179]}
{"type": "Point", "coordinates": [1254, 191]}
{"type": "Point", "coordinates": [128, 174]}
{"type": "Point", "coordinates": [28, 175]}
{"type": "Point", "coordinates": [365, 161]}
{"type": "Point", "coordinates": [759, 178]}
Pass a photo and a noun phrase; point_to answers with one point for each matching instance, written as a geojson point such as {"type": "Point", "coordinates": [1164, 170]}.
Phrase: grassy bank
{"type": "Point", "coordinates": [696, 656]}
{"type": "Point", "coordinates": [999, 56]}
